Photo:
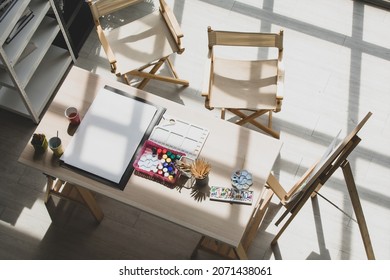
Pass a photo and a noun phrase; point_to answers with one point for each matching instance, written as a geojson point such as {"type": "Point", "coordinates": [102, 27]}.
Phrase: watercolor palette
{"type": "Point", "coordinates": [180, 135]}
{"type": "Point", "coordinates": [241, 179]}
{"type": "Point", "coordinates": [231, 195]}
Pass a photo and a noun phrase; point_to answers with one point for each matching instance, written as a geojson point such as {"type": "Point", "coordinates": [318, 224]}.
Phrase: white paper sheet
{"type": "Point", "coordinates": [109, 135]}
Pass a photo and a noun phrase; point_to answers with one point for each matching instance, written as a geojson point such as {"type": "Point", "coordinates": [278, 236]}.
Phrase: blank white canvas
{"type": "Point", "coordinates": [109, 135]}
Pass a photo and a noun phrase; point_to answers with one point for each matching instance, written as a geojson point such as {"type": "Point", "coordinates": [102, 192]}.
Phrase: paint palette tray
{"type": "Point", "coordinates": [157, 163]}
{"type": "Point", "coordinates": [180, 135]}
{"type": "Point", "coordinates": [241, 179]}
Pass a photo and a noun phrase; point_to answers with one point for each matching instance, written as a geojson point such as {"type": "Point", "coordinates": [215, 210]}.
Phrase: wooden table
{"type": "Point", "coordinates": [229, 147]}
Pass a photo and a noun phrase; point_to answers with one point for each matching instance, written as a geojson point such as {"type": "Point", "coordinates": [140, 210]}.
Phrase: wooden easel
{"type": "Point", "coordinates": [316, 177]}
{"type": "Point", "coordinates": [306, 187]}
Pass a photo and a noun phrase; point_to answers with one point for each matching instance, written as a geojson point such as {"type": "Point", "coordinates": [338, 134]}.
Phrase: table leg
{"type": "Point", "coordinates": [74, 193]}
{"type": "Point", "coordinates": [91, 203]}
{"type": "Point", "coordinates": [216, 247]}
{"type": "Point", "coordinates": [240, 252]}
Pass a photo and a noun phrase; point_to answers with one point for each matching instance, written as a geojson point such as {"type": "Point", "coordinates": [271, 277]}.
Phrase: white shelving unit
{"type": "Point", "coordinates": [27, 82]}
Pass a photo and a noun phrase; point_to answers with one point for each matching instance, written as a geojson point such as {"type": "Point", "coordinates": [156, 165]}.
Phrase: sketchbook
{"type": "Point", "coordinates": [110, 135]}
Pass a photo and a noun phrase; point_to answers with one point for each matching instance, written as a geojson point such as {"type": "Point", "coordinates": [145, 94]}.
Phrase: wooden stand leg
{"type": "Point", "coordinates": [276, 188]}
{"type": "Point", "coordinates": [357, 207]}
{"type": "Point", "coordinates": [280, 232]}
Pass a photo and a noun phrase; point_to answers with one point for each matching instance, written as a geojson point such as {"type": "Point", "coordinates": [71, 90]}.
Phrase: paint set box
{"type": "Point", "coordinates": [157, 163]}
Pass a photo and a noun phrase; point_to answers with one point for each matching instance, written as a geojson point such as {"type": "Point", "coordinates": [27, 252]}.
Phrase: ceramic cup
{"type": "Point", "coordinates": [73, 115]}
{"type": "Point", "coordinates": [56, 146]}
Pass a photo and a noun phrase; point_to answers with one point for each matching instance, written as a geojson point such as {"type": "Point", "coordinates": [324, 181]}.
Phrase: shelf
{"type": "Point", "coordinates": [11, 18]}
{"type": "Point", "coordinates": [71, 11]}
{"type": "Point", "coordinates": [43, 38]}
{"type": "Point", "coordinates": [78, 22]}
{"type": "Point", "coordinates": [15, 48]}
{"type": "Point", "coordinates": [39, 90]}
{"type": "Point", "coordinates": [32, 66]}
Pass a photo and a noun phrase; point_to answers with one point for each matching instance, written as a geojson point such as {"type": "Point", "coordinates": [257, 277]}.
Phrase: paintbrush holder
{"type": "Point", "coordinates": [201, 182]}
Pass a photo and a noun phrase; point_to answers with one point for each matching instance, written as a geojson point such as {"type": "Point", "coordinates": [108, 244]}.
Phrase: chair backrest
{"type": "Point", "coordinates": [247, 39]}
{"type": "Point", "coordinates": [100, 8]}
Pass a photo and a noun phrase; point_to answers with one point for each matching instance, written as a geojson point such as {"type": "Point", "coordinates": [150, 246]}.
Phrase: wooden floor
{"type": "Point", "coordinates": [337, 60]}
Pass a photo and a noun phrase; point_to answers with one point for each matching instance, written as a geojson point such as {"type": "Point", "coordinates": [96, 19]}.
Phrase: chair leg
{"type": "Point", "coordinates": [270, 119]}
{"type": "Point", "coordinates": [223, 113]}
{"type": "Point", "coordinates": [153, 71]}
{"type": "Point", "coordinates": [266, 129]}
{"type": "Point", "coordinates": [151, 75]}
{"type": "Point", "coordinates": [251, 119]}
{"type": "Point", "coordinates": [126, 79]}
{"type": "Point", "coordinates": [65, 190]}
{"type": "Point", "coordinates": [247, 118]}
{"type": "Point", "coordinates": [172, 68]}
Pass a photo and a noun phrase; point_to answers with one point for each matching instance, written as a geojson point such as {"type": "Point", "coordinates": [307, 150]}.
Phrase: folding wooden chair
{"type": "Point", "coordinates": [139, 48]}
{"type": "Point", "coordinates": [240, 86]}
